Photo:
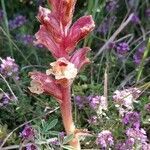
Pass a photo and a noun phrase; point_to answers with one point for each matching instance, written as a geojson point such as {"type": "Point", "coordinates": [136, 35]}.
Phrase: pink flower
{"type": "Point", "coordinates": [55, 32]}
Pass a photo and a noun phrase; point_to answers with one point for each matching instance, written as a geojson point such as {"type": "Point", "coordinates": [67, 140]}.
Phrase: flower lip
{"type": "Point", "coordinates": [62, 69]}
{"type": "Point", "coordinates": [36, 87]}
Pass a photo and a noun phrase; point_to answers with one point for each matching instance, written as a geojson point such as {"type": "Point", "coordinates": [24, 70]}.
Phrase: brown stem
{"type": "Point", "coordinates": [66, 112]}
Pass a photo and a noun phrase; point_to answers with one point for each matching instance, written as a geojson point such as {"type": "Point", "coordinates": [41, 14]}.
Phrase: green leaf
{"type": "Point", "coordinates": [54, 133]}
{"type": "Point", "coordinates": [67, 147]}
{"type": "Point", "coordinates": [83, 77]}
{"type": "Point", "coordinates": [50, 125]}
{"type": "Point", "coordinates": [68, 138]}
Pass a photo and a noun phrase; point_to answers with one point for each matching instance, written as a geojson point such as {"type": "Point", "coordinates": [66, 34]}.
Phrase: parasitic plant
{"type": "Point", "coordinates": [60, 37]}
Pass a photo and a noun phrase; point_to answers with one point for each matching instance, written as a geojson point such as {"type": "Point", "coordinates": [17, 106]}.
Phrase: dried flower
{"type": "Point", "coordinates": [9, 68]}
{"type": "Point", "coordinates": [105, 139]}
{"type": "Point", "coordinates": [17, 22]}
{"type": "Point", "coordinates": [132, 119]}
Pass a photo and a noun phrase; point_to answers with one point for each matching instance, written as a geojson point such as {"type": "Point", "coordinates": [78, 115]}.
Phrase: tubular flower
{"type": "Point", "coordinates": [62, 69]}
{"type": "Point", "coordinates": [42, 83]}
{"type": "Point", "coordinates": [57, 34]}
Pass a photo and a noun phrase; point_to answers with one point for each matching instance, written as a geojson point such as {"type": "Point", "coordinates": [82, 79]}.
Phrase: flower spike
{"type": "Point", "coordinates": [57, 34]}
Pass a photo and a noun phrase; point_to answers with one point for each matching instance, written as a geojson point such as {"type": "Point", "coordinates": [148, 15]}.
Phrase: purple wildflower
{"type": "Point", "coordinates": [120, 146]}
{"type": "Point", "coordinates": [127, 145]}
{"type": "Point", "coordinates": [105, 139]}
{"type": "Point", "coordinates": [130, 143]}
{"type": "Point", "coordinates": [122, 48]}
{"type": "Point", "coordinates": [132, 119]}
{"type": "Point", "coordinates": [92, 120]}
{"type": "Point", "coordinates": [135, 19]}
{"type": "Point", "coordinates": [18, 21]}
{"type": "Point", "coordinates": [111, 6]}
{"type": "Point", "coordinates": [1, 15]}
{"type": "Point", "coordinates": [96, 102]}
{"type": "Point", "coordinates": [126, 97]}
{"type": "Point", "coordinates": [138, 55]}
{"type": "Point", "coordinates": [80, 101]}
{"type": "Point", "coordinates": [147, 107]}
{"type": "Point", "coordinates": [106, 24]}
{"type": "Point", "coordinates": [131, 4]}
{"type": "Point", "coordinates": [5, 99]}
{"type": "Point", "coordinates": [145, 146]}
{"type": "Point", "coordinates": [103, 28]}
{"type": "Point", "coordinates": [28, 133]}
{"type": "Point", "coordinates": [137, 134]}
{"type": "Point", "coordinates": [148, 12]}
{"type": "Point", "coordinates": [26, 39]}
{"type": "Point", "coordinates": [61, 135]}
{"type": "Point", "coordinates": [55, 142]}
{"type": "Point", "coordinates": [111, 45]}
{"type": "Point", "coordinates": [31, 147]}
{"type": "Point", "coordinates": [9, 68]}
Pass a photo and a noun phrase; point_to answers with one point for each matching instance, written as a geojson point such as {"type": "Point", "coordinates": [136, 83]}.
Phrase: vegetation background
{"type": "Point", "coordinates": [120, 59]}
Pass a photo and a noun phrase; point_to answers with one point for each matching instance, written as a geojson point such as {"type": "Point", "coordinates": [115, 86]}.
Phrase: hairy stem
{"type": "Point", "coordinates": [66, 111]}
